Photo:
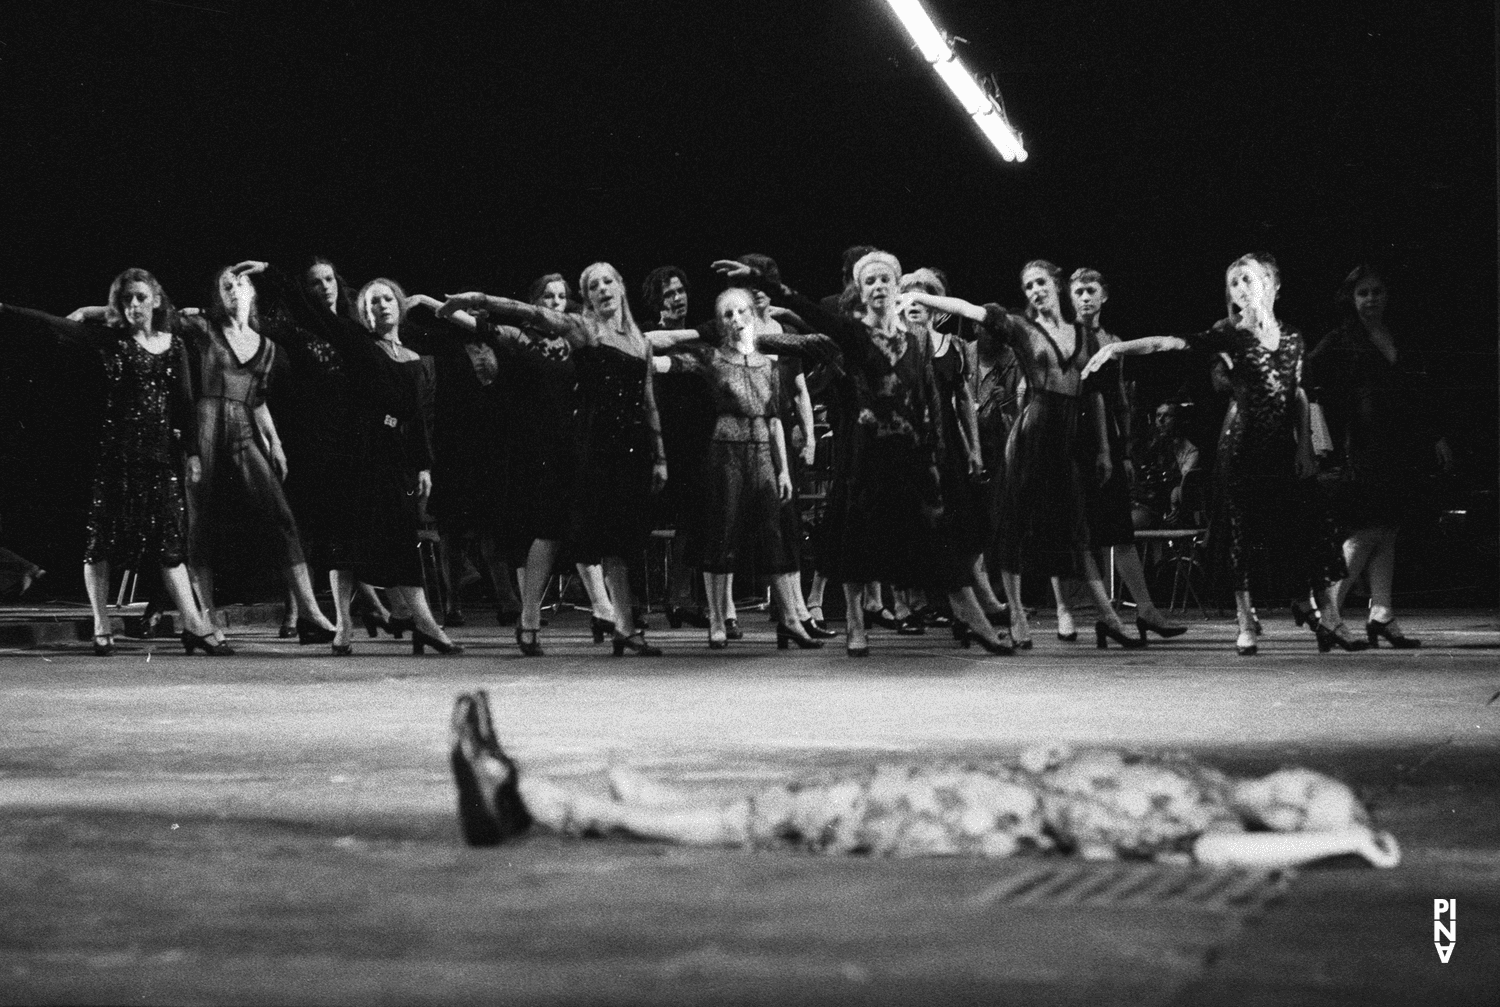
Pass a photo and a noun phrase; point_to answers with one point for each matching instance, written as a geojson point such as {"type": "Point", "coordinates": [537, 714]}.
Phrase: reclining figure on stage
{"type": "Point", "coordinates": [1098, 804]}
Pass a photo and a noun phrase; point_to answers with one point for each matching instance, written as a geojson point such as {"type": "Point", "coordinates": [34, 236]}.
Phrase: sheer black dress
{"type": "Point", "coordinates": [966, 526]}
{"type": "Point", "coordinates": [137, 513]}
{"type": "Point", "coordinates": [1282, 542]}
{"type": "Point", "coordinates": [1109, 505]}
{"type": "Point", "coordinates": [995, 384]}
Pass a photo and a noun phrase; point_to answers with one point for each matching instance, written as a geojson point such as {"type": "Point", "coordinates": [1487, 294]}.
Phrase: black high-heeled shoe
{"type": "Point", "coordinates": [420, 640]}
{"type": "Point", "coordinates": [531, 647]}
{"type": "Point", "coordinates": [287, 630]}
{"type": "Point", "coordinates": [785, 636]}
{"type": "Point", "coordinates": [732, 630]}
{"type": "Point", "coordinates": [401, 624]}
{"type": "Point", "coordinates": [207, 644]}
{"type": "Point", "coordinates": [636, 644]}
{"type": "Point", "coordinates": [374, 624]}
{"type": "Point", "coordinates": [939, 618]}
{"type": "Point", "coordinates": [853, 651]}
{"type": "Point", "coordinates": [966, 637]}
{"type": "Point", "coordinates": [1165, 632]}
{"type": "Point", "coordinates": [912, 625]}
{"type": "Point", "coordinates": [1375, 631]}
{"type": "Point", "coordinates": [817, 630]}
{"type": "Point", "coordinates": [104, 644]}
{"type": "Point", "coordinates": [1104, 632]}
{"type": "Point", "coordinates": [310, 632]}
{"type": "Point", "coordinates": [1330, 638]}
{"type": "Point", "coordinates": [454, 617]}
{"type": "Point", "coordinates": [882, 617]}
{"type": "Point", "coordinates": [1301, 615]}
{"type": "Point", "coordinates": [342, 649]}
{"type": "Point", "coordinates": [600, 628]}
{"type": "Point", "coordinates": [1000, 619]}
{"type": "Point", "coordinates": [717, 642]}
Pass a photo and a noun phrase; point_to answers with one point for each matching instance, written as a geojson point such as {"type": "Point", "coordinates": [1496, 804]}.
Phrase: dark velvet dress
{"type": "Point", "coordinates": [1109, 505]}
{"type": "Point", "coordinates": [966, 527]}
{"type": "Point", "coordinates": [1043, 527]}
{"type": "Point", "coordinates": [740, 516]}
{"type": "Point", "coordinates": [137, 513]}
{"type": "Point", "coordinates": [1384, 423]}
{"type": "Point", "coordinates": [230, 449]}
{"type": "Point", "coordinates": [887, 498]}
{"type": "Point", "coordinates": [1281, 541]}
{"type": "Point", "coordinates": [541, 446]}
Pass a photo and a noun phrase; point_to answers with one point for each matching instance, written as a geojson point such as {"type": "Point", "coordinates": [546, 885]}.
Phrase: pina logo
{"type": "Point", "coordinates": [1444, 934]}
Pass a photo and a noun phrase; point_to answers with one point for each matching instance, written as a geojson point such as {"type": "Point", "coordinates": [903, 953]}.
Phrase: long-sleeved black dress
{"type": "Point", "coordinates": [1109, 512]}
{"type": "Point", "coordinates": [137, 512]}
{"type": "Point", "coordinates": [1282, 542]}
{"type": "Point", "coordinates": [995, 384]}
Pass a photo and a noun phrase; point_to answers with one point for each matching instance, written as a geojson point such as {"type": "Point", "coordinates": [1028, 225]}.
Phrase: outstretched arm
{"type": "Point", "coordinates": [506, 309]}
{"type": "Point", "coordinates": [1133, 348]}
{"type": "Point", "coordinates": [951, 305]}
{"type": "Point", "coordinates": [67, 330]}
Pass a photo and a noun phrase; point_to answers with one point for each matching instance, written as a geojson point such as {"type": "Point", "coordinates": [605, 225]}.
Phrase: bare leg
{"type": "Point", "coordinates": [815, 594]}
{"type": "Point", "coordinates": [729, 609]}
{"type": "Point", "coordinates": [572, 813]}
{"type": "Point", "coordinates": [855, 634]}
{"type": "Point", "coordinates": [716, 587]}
{"type": "Point", "coordinates": [1065, 628]}
{"type": "Point", "coordinates": [96, 580]}
{"type": "Point", "coordinates": [203, 582]}
{"type": "Point", "coordinates": [618, 578]}
{"type": "Point", "coordinates": [372, 598]}
{"type": "Point", "coordinates": [1383, 576]}
{"type": "Point", "coordinates": [1095, 582]}
{"type": "Point", "coordinates": [1128, 565]}
{"type": "Point", "coordinates": [1359, 547]}
{"type": "Point", "coordinates": [1245, 614]}
{"type": "Point", "coordinates": [181, 589]}
{"type": "Point", "coordinates": [592, 577]}
{"type": "Point", "coordinates": [966, 607]}
{"type": "Point", "coordinates": [790, 587]}
{"type": "Point", "coordinates": [300, 582]}
{"type": "Point", "coordinates": [289, 621]}
{"type": "Point", "coordinates": [539, 561]}
{"type": "Point", "coordinates": [341, 585]}
{"type": "Point", "coordinates": [1020, 629]}
{"type": "Point", "coordinates": [415, 600]}
{"type": "Point", "coordinates": [984, 591]}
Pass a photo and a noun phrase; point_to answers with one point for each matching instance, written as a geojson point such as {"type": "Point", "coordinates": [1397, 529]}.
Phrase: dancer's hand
{"type": "Point", "coordinates": [472, 300]}
{"type": "Point", "coordinates": [732, 270]}
{"type": "Point", "coordinates": [809, 451]}
{"type": "Point", "coordinates": [424, 301]}
{"type": "Point", "coordinates": [249, 267]}
{"type": "Point", "coordinates": [92, 313]}
{"type": "Point", "coordinates": [976, 466]}
{"type": "Point", "coordinates": [424, 485]}
{"type": "Point", "coordinates": [1105, 355]}
{"type": "Point", "coordinates": [1103, 467]}
{"type": "Point", "coordinates": [784, 487]}
{"type": "Point", "coordinates": [194, 470]}
{"type": "Point", "coordinates": [278, 462]}
{"type": "Point", "coordinates": [658, 477]}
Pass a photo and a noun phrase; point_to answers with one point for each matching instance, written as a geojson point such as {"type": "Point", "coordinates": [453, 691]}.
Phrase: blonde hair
{"type": "Point", "coordinates": [597, 325]}
{"type": "Point", "coordinates": [1261, 316]}
{"type": "Point", "coordinates": [115, 316]}
{"type": "Point", "coordinates": [362, 301]}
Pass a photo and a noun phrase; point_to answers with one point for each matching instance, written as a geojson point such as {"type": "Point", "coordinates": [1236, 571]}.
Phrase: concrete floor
{"type": "Point", "coordinates": [278, 826]}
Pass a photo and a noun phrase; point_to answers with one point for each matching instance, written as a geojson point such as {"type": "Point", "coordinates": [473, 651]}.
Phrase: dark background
{"type": "Point", "coordinates": [480, 145]}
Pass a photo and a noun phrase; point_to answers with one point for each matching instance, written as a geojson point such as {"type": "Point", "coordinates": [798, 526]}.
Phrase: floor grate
{"type": "Point", "coordinates": [1074, 883]}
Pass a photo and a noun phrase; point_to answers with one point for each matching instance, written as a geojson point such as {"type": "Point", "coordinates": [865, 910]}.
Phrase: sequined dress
{"type": "Point", "coordinates": [1282, 541]}
{"type": "Point", "coordinates": [740, 512]}
{"type": "Point", "coordinates": [137, 513]}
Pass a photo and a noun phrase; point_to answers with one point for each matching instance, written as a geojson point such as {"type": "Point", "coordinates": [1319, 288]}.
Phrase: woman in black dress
{"type": "Point", "coordinates": [1375, 394]}
{"type": "Point", "coordinates": [231, 364]}
{"type": "Point", "coordinates": [1278, 541]}
{"type": "Point", "coordinates": [621, 460]}
{"type": "Point", "coordinates": [1043, 521]}
{"type": "Point", "coordinates": [890, 498]}
{"type": "Point", "coordinates": [137, 513]}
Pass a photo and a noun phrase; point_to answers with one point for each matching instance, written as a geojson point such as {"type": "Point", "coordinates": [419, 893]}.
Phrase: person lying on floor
{"type": "Point", "coordinates": [1095, 803]}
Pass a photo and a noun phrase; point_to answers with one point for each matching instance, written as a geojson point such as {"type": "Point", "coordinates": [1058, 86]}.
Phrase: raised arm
{"type": "Point", "coordinates": [527, 316]}
{"type": "Point", "coordinates": [1133, 348]}
{"type": "Point", "coordinates": [67, 330]}
{"type": "Point", "coordinates": [951, 305]}
{"type": "Point", "coordinates": [850, 336]}
{"type": "Point", "coordinates": [666, 340]}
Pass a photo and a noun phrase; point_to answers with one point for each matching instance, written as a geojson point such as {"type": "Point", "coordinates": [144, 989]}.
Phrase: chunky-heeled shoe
{"type": "Point", "coordinates": [600, 628]}
{"type": "Point", "coordinates": [819, 621]}
{"type": "Point", "coordinates": [882, 617]}
{"type": "Point", "coordinates": [490, 809]}
{"type": "Point", "coordinates": [527, 640]}
{"type": "Point", "coordinates": [1245, 645]}
{"type": "Point", "coordinates": [785, 636]}
{"type": "Point", "coordinates": [818, 630]}
{"type": "Point", "coordinates": [1391, 633]}
{"type": "Point", "coordinates": [207, 644]}
{"type": "Point", "coordinates": [912, 625]}
{"type": "Point", "coordinates": [1331, 638]}
{"type": "Point", "coordinates": [1301, 615]}
{"type": "Point", "coordinates": [287, 630]}
{"type": "Point", "coordinates": [310, 632]}
{"type": "Point", "coordinates": [374, 624]}
{"type": "Point", "coordinates": [1165, 632]}
{"type": "Point", "coordinates": [968, 637]}
{"type": "Point", "coordinates": [420, 640]}
{"type": "Point", "coordinates": [862, 650]}
{"type": "Point", "coordinates": [732, 630]}
{"type": "Point", "coordinates": [104, 644]}
{"type": "Point", "coordinates": [401, 624]}
{"type": "Point", "coordinates": [1104, 632]}
{"type": "Point", "coordinates": [636, 644]}
{"type": "Point", "coordinates": [1066, 631]}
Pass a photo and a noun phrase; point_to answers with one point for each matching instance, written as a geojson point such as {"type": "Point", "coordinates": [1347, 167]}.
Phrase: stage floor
{"type": "Point", "coordinates": [278, 826]}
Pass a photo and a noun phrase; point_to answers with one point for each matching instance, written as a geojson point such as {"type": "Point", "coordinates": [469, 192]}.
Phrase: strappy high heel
{"type": "Point", "coordinates": [374, 624]}
{"type": "Point", "coordinates": [785, 636]}
{"type": "Point", "coordinates": [207, 644]}
{"type": "Point", "coordinates": [531, 647]}
{"type": "Point", "coordinates": [1303, 615]}
{"type": "Point", "coordinates": [636, 644]}
{"type": "Point", "coordinates": [600, 628]}
{"type": "Point", "coordinates": [420, 640]}
{"type": "Point", "coordinates": [1331, 638]}
{"type": "Point", "coordinates": [1104, 632]}
{"type": "Point", "coordinates": [1391, 633]}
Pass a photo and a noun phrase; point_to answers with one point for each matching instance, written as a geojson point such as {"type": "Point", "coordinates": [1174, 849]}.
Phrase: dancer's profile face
{"type": "Point", "coordinates": [385, 309]}
{"type": "Point", "coordinates": [1088, 297]}
{"type": "Point", "coordinates": [235, 291]}
{"type": "Point", "coordinates": [1040, 289]}
{"type": "Point", "coordinates": [674, 300]}
{"type": "Point", "coordinates": [554, 296]}
{"type": "Point", "coordinates": [736, 313]}
{"type": "Point", "coordinates": [138, 304]}
{"type": "Point", "coordinates": [762, 301]}
{"type": "Point", "coordinates": [877, 285]}
{"type": "Point", "coordinates": [1249, 285]}
{"type": "Point", "coordinates": [323, 284]}
{"type": "Point", "coordinates": [604, 293]}
{"type": "Point", "coordinates": [1370, 298]}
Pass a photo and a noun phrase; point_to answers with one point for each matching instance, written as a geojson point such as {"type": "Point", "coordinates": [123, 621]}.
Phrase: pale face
{"type": "Point", "coordinates": [1249, 285]}
{"type": "Point", "coordinates": [918, 316]}
{"type": "Point", "coordinates": [385, 309]}
{"type": "Point", "coordinates": [877, 287]}
{"type": "Point", "coordinates": [554, 296]}
{"type": "Point", "coordinates": [1370, 298]}
{"type": "Point", "coordinates": [674, 301]}
{"type": "Point", "coordinates": [138, 303]}
{"type": "Point", "coordinates": [736, 315]}
{"type": "Point", "coordinates": [322, 285]}
{"type": "Point", "coordinates": [236, 292]}
{"type": "Point", "coordinates": [604, 293]}
{"type": "Point", "coordinates": [1040, 290]}
{"type": "Point", "coordinates": [1088, 297]}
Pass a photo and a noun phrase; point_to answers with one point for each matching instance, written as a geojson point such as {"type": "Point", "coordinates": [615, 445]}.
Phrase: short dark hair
{"type": "Point", "coordinates": [656, 283]}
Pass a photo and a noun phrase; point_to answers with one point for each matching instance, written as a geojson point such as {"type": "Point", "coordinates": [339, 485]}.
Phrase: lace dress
{"type": "Point", "coordinates": [740, 513]}
{"type": "Point", "coordinates": [137, 513]}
